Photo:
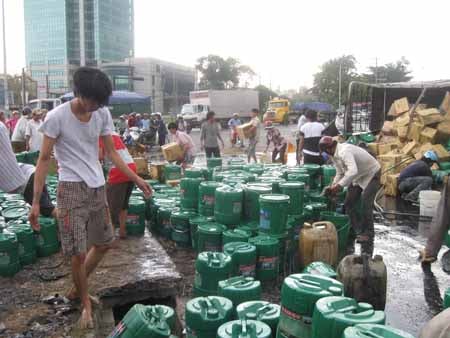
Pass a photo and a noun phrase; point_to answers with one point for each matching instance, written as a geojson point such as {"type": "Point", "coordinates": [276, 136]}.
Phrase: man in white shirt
{"type": "Point", "coordinates": [18, 136]}
{"type": "Point", "coordinates": [73, 129]}
{"type": "Point", "coordinates": [33, 136]}
{"type": "Point", "coordinates": [310, 135]}
{"type": "Point", "coordinates": [255, 130]}
{"type": "Point", "coordinates": [18, 178]}
{"type": "Point", "coordinates": [357, 170]}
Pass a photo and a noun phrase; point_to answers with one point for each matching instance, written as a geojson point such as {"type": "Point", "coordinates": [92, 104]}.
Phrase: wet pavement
{"type": "Point", "coordinates": [135, 270]}
{"type": "Point", "coordinates": [415, 291]}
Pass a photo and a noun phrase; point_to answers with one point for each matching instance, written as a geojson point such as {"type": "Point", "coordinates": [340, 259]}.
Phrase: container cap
{"type": "Point", "coordinates": [292, 185]}
{"type": "Point", "coordinates": [244, 329]}
{"type": "Point", "coordinates": [300, 292]}
{"type": "Point", "coordinates": [258, 310]}
{"type": "Point", "coordinates": [212, 228]}
{"type": "Point", "coordinates": [274, 198]}
{"type": "Point", "coordinates": [207, 313]}
{"type": "Point", "coordinates": [14, 213]}
{"type": "Point", "coordinates": [238, 247]}
{"type": "Point", "coordinates": [374, 331]}
{"type": "Point", "coordinates": [263, 240]}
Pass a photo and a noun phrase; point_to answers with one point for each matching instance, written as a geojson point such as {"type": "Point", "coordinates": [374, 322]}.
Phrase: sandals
{"type": "Point", "coordinates": [424, 258]}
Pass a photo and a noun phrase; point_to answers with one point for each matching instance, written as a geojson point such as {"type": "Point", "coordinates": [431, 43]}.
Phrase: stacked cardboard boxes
{"type": "Point", "coordinates": [407, 137]}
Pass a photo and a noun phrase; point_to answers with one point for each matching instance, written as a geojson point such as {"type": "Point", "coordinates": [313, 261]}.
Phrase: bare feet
{"type": "Point", "coordinates": [72, 295]}
{"type": "Point", "coordinates": [86, 321]}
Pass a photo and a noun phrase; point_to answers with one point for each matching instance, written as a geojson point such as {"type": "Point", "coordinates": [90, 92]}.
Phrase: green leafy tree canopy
{"type": "Point", "coordinates": [219, 73]}
{"type": "Point", "coordinates": [390, 72]}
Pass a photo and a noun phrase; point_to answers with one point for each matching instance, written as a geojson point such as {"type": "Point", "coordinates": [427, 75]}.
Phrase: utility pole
{"type": "Point", "coordinates": [4, 58]}
{"type": "Point", "coordinates": [82, 34]}
{"type": "Point", "coordinates": [23, 87]}
{"type": "Point", "coordinates": [340, 83]}
{"type": "Point", "coordinates": [47, 89]}
{"type": "Point", "coordinates": [376, 70]}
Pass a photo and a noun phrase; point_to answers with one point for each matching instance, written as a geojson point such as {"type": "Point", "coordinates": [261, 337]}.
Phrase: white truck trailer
{"type": "Point", "coordinates": [223, 102]}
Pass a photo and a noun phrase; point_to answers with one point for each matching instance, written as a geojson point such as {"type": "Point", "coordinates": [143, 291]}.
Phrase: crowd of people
{"type": "Point", "coordinates": [23, 130]}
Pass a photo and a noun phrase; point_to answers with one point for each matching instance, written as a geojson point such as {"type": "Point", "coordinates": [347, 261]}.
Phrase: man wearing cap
{"type": "Point", "coordinates": [417, 177]}
{"type": "Point", "coordinates": [18, 136]}
{"type": "Point", "coordinates": [33, 136]}
{"type": "Point", "coordinates": [357, 170]}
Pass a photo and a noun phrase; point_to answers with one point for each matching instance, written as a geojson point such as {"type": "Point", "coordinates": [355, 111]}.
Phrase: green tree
{"type": "Point", "coordinates": [326, 82]}
{"type": "Point", "coordinates": [265, 94]}
{"type": "Point", "coordinates": [219, 73]}
{"type": "Point", "coordinates": [390, 72]}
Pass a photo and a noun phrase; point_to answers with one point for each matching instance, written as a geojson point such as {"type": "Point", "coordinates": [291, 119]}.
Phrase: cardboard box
{"type": "Point", "coordinates": [244, 130]}
{"type": "Point", "coordinates": [422, 150]}
{"type": "Point", "coordinates": [157, 170]}
{"type": "Point", "coordinates": [384, 148]}
{"type": "Point", "coordinates": [391, 185]}
{"type": "Point", "coordinates": [410, 148]}
{"type": "Point", "coordinates": [399, 106]}
{"type": "Point", "coordinates": [373, 148]}
{"type": "Point", "coordinates": [441, 152]}
{"type": "Point", "coordinates": [428, 135]}
{"type": "Point", "coordinates": [402, 120]}
{"type": "Point", "coordinates": [415, 130]}
{"type": "Point", "coordinates": [389, 162]}
{"type": "Point", "coordinates": [388, 128]}
{"type": "Point", "coordinates": [141, 166]}
{"type": "Point", "coordinates": [402, 132]}
{"type": "Point", "coordinates": [430, 116]}
{"type": "Point", "coordinates": [443, 132]}
{"type": "Point", "coordinates": [445, 105]}
{"type": "Point", "coordinates": [172, 152]}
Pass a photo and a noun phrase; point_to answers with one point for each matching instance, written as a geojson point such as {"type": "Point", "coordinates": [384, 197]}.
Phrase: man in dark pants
{"type": "Point", "coordinates": [417, 177]}
{"type": "Point", "coordinates": [209, 136]}
{"type": "Point", "coordinates": [310, 134]}
{"type": "Point", "coordinates": [360, 172]}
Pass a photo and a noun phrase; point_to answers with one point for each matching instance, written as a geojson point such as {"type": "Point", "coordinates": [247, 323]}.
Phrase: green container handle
{"type": "Point", "coordinates": [212, 307]}
{"type": "Point", "coordinates": [241, 328]}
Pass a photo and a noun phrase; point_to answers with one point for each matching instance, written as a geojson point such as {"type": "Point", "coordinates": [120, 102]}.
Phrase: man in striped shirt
{"type": "Point", "coordinates": [119, 185]}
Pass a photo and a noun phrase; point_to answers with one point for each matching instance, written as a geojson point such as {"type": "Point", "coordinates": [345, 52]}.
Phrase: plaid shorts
{"type": "Point", "coordinates": [83, 216]}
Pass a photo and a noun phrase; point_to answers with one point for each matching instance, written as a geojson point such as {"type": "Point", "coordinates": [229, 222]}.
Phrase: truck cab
{"type": "Point", "coordinates": [278, 111]}
{"type": "Point", "coordinates": [194, 114]}
{"type": "Point", "coordinates": [48, 104]}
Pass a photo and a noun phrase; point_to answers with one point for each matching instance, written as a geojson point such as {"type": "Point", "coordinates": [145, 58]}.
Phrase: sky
{"type": "Point", "coordinates": [283, 41]}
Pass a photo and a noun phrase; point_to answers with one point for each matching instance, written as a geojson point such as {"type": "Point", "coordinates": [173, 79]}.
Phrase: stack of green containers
{"type": "Point", "coordinates": [204, 315]}
{"type": "Point", "coordinates": [163, 225]}
{"type": "Point", "coordinates": [181, 233]}
{"type": "Point", "coordinates": [206, 197]}
{"type": "Point", "coordinates": [213, 162]}
{"type": "Point", "coordinates": [235, 235]}
{"type": "Point", "coordinates": [145, 321]}
{"type": "Point", "coordinates": [328, 174]}
{"type": "Point", "coordinates": [27, 247]}
{"type": "Point", "coordinates": [172, 172]}
{"type": "Point", "coordinates": [267, 251]}
{"type": "Point", "coordinates": [314, 171]}
{"type": "Point", "coordinates": [332, 315]}
{"type": "Point", "coordinates": [342, 224]}
{"type": "Point", "coordinates": [193, 224]}
{"type": "Point", "coordinates": [240, 289]}
{"type": "Point", "coordinates": [244, 328]}
{"type": "Point", "coordinates": [210, 269]}
{"type": "Point", "coordinates": [251, 200]}
{"type": "Point", "coordinates": [299, 295]}
{"type": "Point", "coordinates": [243, 256]}
{"type": "Point", "coordinates": [296, 193]}
{"type": "Point", "coordinates": [47, 238]}
{"type": "Point", "coordinates": [9, 254]}
{"type": "Point", "coordinates": [273, 215]}
{"type": "Point", "coordinates": [135, 223]}
{"type": "Point", "coordinates": [262, 311]}
{"type": "Point", "coordinates": [209, 236]}
{"type": "Point", "coordinates": [228, 205]}
{"type": "Point", "coordinates": [194, 173]}
{"type": "Point", "coordinates": [374, 331]}
{"type": "Point", "coordinates": [189, 192]}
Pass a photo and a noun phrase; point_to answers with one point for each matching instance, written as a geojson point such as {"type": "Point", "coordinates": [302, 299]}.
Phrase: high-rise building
{"type": "Point", "coordinates": [61, 35]}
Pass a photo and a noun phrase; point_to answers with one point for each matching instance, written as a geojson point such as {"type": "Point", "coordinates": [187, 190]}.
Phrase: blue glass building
{"type": "Point", "coordinates": [61, 35]}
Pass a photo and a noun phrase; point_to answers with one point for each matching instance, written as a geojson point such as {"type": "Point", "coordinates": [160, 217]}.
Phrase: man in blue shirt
{"type": "Point", "coordinates": [417, 177]}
